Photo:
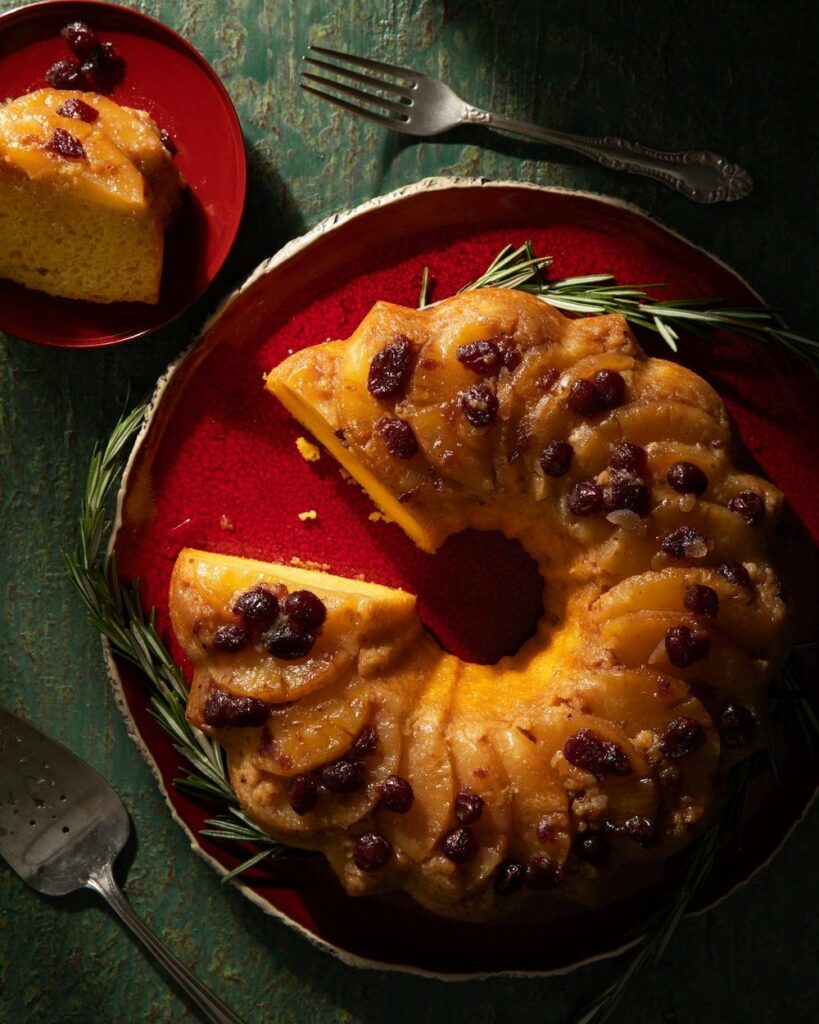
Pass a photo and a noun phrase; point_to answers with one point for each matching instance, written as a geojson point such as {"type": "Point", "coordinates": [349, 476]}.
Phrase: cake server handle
{"type": "Point", "coordinates": [211, 1007]}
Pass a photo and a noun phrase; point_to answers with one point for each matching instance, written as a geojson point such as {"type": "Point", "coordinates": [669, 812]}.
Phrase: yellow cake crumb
{"type": "Point", "coordinates": [301, 563]}
{"type": "Point", "coordinates": [379, 517]}
{"type": "Point", "coordinates": [309, 514]}
{"type": "Point", "coordinates": [225, 523]}
{"type": "Point", "coordinates": [308, 451]}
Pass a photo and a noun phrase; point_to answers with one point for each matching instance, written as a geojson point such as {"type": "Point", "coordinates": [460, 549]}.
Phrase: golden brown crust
{"type": "Point", "coordinates": [599, 726]}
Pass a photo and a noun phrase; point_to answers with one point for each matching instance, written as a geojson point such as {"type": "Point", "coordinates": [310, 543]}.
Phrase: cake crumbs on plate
{"type": "Point", "coordinates": [225, 523]}
{"type": "Point", "coordinates": [309, 514]}
{"type": "Point", "coordinates": [308, 451]}
{"type": "Point", "coordinates": [301, 563]}
{"type": "Point", "coordinates": [379, 517]}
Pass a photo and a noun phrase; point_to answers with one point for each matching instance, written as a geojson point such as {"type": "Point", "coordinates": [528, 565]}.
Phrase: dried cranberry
{"type": "Point", "coordinates": [258, 607]}
{"type": "Point", "coordinates": [683, 542]}
{"type": "Point", "coordinates": [542, 873]}
{"type": "Point", "coordinates": [79, 110]}
{"type": "Point", "coordinates": [306, 609]}
{"type": "Point", "coordinates": [167, 141]}
{"type": "Point", "coordinates": [80, 37]}
{"type": "Point", "coordinates": [511, 357]}
{"type": "Point", "coordinates": [682, 737]}
{"type": "Point", "coordinates": [593, 847]}
{"type": "Point", "coordinates": [545, 831]}
{"type": "Point", "coordinates": [65, 74]}
{"type": "Point", "coordinates": [556, 458]}
{"type": "Point", "coordinates": [288, 642]}
{"type": "Point", "coordinates": [734, 572]}
{"type": "Point", "coordinates": [642, 830]}
{"type": "Point", "coordinates": [749, 505]}
{"type": "Point", "coordinates": [302, 793]}
{"type": "Point", "coordinates": [586, 498]}
{"type": "Point", "coordinates": [371, 852]}
{"type": "Point", "coordinates": [459, 846]}
{"type": "Point", "coordinates": [591, 752]}
{"type": "Point", "coordinates": [546, 381]}
{"type": "Point", "coordinates": [479, 404]}
{"type": "Point", "coordinates": [64, 144]}
{"type": "Point", "coordinates": [468, 807]}
{"type": "Point", "coordinates": [398, 437]}
{"type": "Point", "coordinates": [365, 743]}
{"type": "Point", "coordinates": [629, 494]}
{"type": "Point", "coordinates": [231, 639]}
{"type": "Point", "coordinates": [629, 458]}
{"type": "Point", "coordinates": [683, 646]}
{"type": "Point", "coordinates": [222, 709]}
{"type": "Point", "coordinates": [483, 357]}
{"type": "Point", "coordinates": [342, 776]}
{"type": "Point", "coordinates": [523, 439]}
{"type": "Point", "coordinates": [611, 387]}
{"type": "Point", "coordinates": [687, 478]}
{"type": "Point", "coordinates": [584, 398]}
{"type": "Point", "coordinates": [701, 600]}
{"type": "Point", "coordinates": [390, 369]}
{"type": "Point", "coordinates": [509, 877]}
{"type": "Point", "coordinates": [103, 68]}
{"type": "Point", "coordinates": [736, 726]}
{"type": "Point", "coordinates": [396, 794]}
{"type": "Point", "coordinates": [110, 56]}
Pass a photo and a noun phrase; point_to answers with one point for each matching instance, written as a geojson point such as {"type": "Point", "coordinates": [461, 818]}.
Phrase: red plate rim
{"type": "Point", "coordinates": [283, 255]}
{"type": "Point", "coordinates": [37, 334]}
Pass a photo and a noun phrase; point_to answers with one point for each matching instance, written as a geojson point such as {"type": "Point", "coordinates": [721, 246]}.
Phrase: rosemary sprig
{"type": "Point", "coordinates": [117, 614]}
{"type": "Point", "coordinates": [595, 294]}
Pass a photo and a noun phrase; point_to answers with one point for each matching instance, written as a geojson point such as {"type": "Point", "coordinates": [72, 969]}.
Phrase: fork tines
{"type": "Point", "coordinates": [398, 96]}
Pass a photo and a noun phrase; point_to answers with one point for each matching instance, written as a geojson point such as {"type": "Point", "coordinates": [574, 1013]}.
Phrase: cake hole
{"type": "Point", "coordinates": [480, 596]}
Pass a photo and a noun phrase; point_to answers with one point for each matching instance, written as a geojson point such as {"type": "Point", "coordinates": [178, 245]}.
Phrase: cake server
{"type": "Point", "coordinates": [416, 104]}
{"type": "Point", "coordinates": [61, 829]}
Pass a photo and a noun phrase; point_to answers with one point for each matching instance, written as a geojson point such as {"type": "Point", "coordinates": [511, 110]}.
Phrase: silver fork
{"type": "Point", "coordinates": [416, 104]}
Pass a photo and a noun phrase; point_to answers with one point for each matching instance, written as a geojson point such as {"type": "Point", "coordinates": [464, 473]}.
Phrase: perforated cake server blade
{"type": "Point", "coordinates": [61, 829]}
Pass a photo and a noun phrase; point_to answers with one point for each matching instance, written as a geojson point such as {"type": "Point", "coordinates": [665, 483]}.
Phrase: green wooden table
{"type": "Point", "coordinates": [737, 76]}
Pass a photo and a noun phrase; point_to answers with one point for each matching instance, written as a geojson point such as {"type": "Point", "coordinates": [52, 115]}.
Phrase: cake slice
{"type": "Point", "coordinates": [240, 623]}
{"type": "Point", "coordinates": [87, 190]}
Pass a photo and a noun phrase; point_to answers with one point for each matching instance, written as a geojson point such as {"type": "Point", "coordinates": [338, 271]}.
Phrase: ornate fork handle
{"type": "Point", "coordinates": [699, 174]}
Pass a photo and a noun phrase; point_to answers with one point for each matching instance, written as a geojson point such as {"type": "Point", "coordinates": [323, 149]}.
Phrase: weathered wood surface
{"type": "Point", "coordinates": [738, 76]}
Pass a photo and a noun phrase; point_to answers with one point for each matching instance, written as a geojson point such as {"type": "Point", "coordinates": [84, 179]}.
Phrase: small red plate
{"type": "Point", "coordinates": [217, 468]}
{"type": "Point", "coordinates": [167, 77]}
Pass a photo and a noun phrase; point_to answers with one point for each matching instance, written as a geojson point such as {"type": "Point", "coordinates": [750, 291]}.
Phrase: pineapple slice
{"type": "Point", "coordinates": [479, 771]}
{"type": "Point", "coordinates": [315, 730]}
{"type": "Point", "coordinates": [540, 803]}
{"type": "Point", "coordinates": [427, 766]}
{"type": "Point", "coordinates": [367, 626]}
{"type": "Point", "coordinates": [751, 618]}
{"type": "Point", "coordinates": [643, 423]}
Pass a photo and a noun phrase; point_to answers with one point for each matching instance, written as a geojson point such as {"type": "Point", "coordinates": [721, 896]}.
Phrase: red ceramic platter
{"type": "Point", "coordinates": [167, 77]}
{"type": "Point", "coordinates": [217, 468]}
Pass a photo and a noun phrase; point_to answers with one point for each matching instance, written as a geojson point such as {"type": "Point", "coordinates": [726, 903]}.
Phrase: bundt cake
{"type": "Point", "coordinates": [604, 738]}
{"type": "Point", "coordinates": [87, 190]}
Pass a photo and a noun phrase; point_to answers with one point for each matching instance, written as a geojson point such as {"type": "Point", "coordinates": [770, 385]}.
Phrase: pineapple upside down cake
{"type": "Point", "coordinates": [603, 740]}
